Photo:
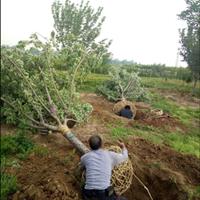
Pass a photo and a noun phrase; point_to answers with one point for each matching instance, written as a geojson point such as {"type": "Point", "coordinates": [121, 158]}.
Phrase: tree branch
{"type": "Point", "coordinates": [128, 85]}
{"type": "Point", "coordinates": [48, 126]}
{"type": "Point", "coordinates": [56, 89]}
{"type": "Point", "coordinates": [27, 116]}
{"type": "Point", "coordinates": [54, 115]}
{"type": "Point", "coordinates": [23, 76]}
{"type": "Point", "coordinates": [122, 92]}
{"type": "Point", "coordinates": [74, 75]}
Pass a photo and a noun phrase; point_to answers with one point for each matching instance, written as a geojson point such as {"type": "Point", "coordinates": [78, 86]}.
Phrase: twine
{"type": "Point", "coordinates": [63, 129]}
{"type": "Point", "coordinates": [122, 174]}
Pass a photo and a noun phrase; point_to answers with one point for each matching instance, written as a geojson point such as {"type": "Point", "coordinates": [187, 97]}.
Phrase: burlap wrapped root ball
{"type": "Point", "coordinates": [121, 104]}
{"type": "Point", "coordinates": [122, 174]}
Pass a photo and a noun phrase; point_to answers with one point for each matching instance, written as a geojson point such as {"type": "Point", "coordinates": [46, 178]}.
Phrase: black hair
{"type": "Point", "coordinates": [95, 142]}
{"type": "Point", "coordinates": [127, 107]}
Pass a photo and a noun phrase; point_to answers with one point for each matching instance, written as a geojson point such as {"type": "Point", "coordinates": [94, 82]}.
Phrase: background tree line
{"type": "Point", "coordinates": [153, 70]}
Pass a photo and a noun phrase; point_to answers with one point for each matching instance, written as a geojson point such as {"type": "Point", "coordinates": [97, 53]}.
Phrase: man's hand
{"type": "Point", "coordinates": [121, 145]}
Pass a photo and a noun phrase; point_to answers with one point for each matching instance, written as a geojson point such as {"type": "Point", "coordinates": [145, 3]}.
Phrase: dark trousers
{"type": "Point", "coordinates": [100, 195]}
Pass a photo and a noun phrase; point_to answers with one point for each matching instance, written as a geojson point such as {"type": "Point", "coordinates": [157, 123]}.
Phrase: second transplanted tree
{"type": "Point", "coordinates": [123, 85]}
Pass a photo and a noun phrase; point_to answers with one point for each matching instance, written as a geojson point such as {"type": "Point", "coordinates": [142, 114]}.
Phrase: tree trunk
{"type": "Point", "coordinates": [195, 83]}
{"type": "Point", "coordinates": [82, 149]}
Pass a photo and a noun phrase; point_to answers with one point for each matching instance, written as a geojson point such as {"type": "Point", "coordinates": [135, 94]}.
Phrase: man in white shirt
{"type": "Point", "coordinates": [99, 164]}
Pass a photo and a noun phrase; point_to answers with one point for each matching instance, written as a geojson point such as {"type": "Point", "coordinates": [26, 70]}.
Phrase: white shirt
{"type": "Point", "coordinates": [99, 164]}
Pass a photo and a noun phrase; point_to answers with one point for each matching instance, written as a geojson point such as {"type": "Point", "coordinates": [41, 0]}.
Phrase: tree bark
{"type": "Point", "coordinates": [82, 149]}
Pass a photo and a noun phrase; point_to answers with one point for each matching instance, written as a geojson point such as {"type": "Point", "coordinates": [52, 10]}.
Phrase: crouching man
{"type": "Point", "coordinates": [98, 164]}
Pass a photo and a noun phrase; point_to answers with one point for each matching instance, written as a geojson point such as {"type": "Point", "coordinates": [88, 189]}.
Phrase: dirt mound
{"type": "Point", "coordinates": [51, 189]}
{"type": "Point", "coordinates": [186, 164]}
{"type": "Point", "coordinates": [161, 169]}
{"type": "Point", "coordinates": [48, 176]}
{"type": "Point", "coordinates": [165, 122]}
{"type": "Point", "coordinates": [164, 171]}
{"type": "Point", "coordinates": [166, 188]}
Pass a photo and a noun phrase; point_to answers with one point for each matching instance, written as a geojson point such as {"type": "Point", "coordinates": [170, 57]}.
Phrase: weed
{"type": "Point", "coordinates": [40, 151]}
{"type": "Point", "coordinates": [194, 192]}
{"type": "Point", "coordinates": [8, 162]}
{"type": "Point", "coordinates": [184, 143]}
{"type": "Point", "coordinates": [15, 144]}
{"type": "Point", "coordinates": [8, 185]}
{"type": "Point", "coordinates": [120, 132]}
{"type": "Point", "coordinates": [144, 127]}
{"type": "Point", "coordinates": [69, 157]}
{"type": "Point", "coordinates": [197, 191]}
{"type": "Point", "coordinates": [154, 165]}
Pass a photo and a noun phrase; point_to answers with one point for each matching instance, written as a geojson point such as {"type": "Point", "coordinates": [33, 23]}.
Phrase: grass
{"type": "Point", "coordinates": [184, 143]}
{"type": "Point", "coordinates": [12, 147]}
{"type": "Point", "coordinates": [40, 151]}
{"type": "Point", "coordinates": [15, 144]}
{"type": "Point", "coordinates": [170, 84]}
{"type": "Point", "coordinates": [194, 192]}
{"type": "Point", "coordinates": [92, 82]}
{"type": "Point", "coordinates": [8, 185]}
{"type": "Point", "coordinates": [188, 144]}
{"type": "Point", "coordinates": [184, 114]}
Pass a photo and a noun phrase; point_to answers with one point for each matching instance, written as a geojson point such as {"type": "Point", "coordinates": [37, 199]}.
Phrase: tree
{"type": "Point", "coordinates": [123, 85]}
{"type": "Point", "coordinates": [190, 37]}
{"type": "Point", "coordinates": [35, 97]}
{"type": "Point", "coordinates": [78, 27]}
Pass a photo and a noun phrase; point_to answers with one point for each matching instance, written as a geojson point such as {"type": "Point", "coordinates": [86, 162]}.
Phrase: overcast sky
{"type": "Point", "coordinates": [145, 31]}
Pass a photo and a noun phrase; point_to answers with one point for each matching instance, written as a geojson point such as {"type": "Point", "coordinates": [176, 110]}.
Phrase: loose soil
{"type": "Point", "coordinates": [164, 171]}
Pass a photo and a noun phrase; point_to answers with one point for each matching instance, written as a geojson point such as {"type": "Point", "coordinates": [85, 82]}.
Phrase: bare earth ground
{"type": "Point", "coordinates": [164, 171]}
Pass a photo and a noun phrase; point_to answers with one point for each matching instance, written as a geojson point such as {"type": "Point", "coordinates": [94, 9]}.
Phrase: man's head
{"type": "Point", "coordinates": [95, 142]}
{"type": "Point", "coordinates": [127, 107]}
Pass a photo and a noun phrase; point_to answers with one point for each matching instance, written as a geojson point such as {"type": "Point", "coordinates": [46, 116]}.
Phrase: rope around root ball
{"type": "Point", "coordinates": [122, 174]}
